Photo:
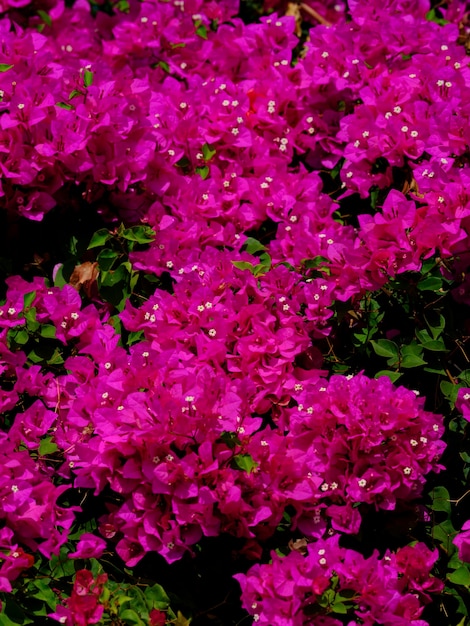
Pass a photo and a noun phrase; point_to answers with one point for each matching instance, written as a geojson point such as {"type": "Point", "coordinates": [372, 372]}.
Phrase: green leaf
{"type": "Point", "coordinates": [128, 616]}
{"type": "Point", "coordinates": [87, 78]}
{"type": "Point", "coordinates": [64, 105]}
{"type": "Point", "coordinates": [56, 358]}
{"type": "Point", "coordinates": [461, 576]}
{"type": "Point", "coordinates": [412, 360]}
{"type": "Point", "coordinates": [433, 370]}
{"type": "Point", "coordinates": [440, 500]}
{"type": "Point", "coordinates": [230, 439]}
{"type": "Point", "coordinates": [208, 152]}
{"type": "Point", "coordinates": [139, 234]}
{"type": "Point", "coordinates": [374, 196]}
{"type": "Point", "coordinates": [252, 245]}
{"type": "Point", "coordinates": [411, 349]}
{"type": "Point", "coordinates": [203, 171]}
{"type": "Point", "coordinates": [99, 238]}
{"type": "Point", "coordinates": [444, 533]}
{"type": "Point", "coordinates": [4, 67]}
{"type": "Point", "coordinates": [339, 607]}
{"type": "Point", "coordinates": [423, 336]}
{"type": "Point", "coordinates": [21, 337]}
{"type": "Point", "coordinates": [164, 66]}
{"type": "Point", "coordinates": [245, 462]}
{"type": "Point", "coordinates": [45, 17]}
{"type": "Point", "coordinates": [201, 30]}
{"type": "Point", "coordinates": [316, 263]}
{"type": "Point", "coordinates": [47, 446]}
{"type": "Point", "coordinates": [435, 346]}
{"type": "Point", "coordinates": [12, 614]}
{"type": "Point", "coordinates": [449, 390]}
{"type": "Point", "coordinates": [465, 377]}
{"type": "Point", "coordinates": [436, 331]}
{"type": "Point", "coordinates": [74, 93]}
{"type": "Point", "coordinates": [431, 283]}
{"type": "Point", "coordinates": [123, 6]}
{"type": "Point", "coordinates": [48, 331]}
{"type": "Point", "coordinates": [28, 299]}
{"type": "Point", "coordinates": [244, 265]}
{"type": "Point", "coordinates": [59, 279]}
{"type": "Point", "coordinates": [41, 589]}
{"type": "Point", "coordinates": [106, 260]}
{"type": "Point", "coordinates": [385, 347]}
{"type": "Point", "coordinates": [156, 597]}
{"type": "Point", "coordinates": [432, 16]}
{"type": "Point", "coordinates": [394, 376]}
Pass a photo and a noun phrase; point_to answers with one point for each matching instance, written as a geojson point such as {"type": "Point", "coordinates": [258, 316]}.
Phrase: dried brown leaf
{"type": "Point", "coordinates": [85, 276]}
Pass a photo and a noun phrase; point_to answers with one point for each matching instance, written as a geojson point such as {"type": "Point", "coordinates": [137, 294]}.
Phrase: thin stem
{"type": "Point", "coordinates": [314, 14]}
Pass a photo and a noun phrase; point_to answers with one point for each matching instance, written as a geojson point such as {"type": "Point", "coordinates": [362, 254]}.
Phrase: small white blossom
{"type": "Point", "coordinates": [212, 332]}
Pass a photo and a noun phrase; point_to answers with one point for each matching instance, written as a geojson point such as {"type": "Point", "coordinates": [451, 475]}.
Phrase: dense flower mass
{"type": "Point", "coordinates": [300, 589]}
{"type": "Point", "coordinates": [276, 179]}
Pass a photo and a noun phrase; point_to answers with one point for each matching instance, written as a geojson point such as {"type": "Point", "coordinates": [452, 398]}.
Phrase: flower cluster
{"type": "Point", "coordinates": [83, 606]}
{"type": "Point", "coordinates": [330, 580]}
{"type": "Point", "coordinates": [218, 416]}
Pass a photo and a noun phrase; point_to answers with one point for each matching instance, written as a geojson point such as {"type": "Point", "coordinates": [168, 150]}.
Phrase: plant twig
{"type": "Point", "coordinates": [314, 14]}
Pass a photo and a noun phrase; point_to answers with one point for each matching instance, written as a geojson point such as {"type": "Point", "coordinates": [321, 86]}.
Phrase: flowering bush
{"type": "Point", "coordinates": [245, 224]}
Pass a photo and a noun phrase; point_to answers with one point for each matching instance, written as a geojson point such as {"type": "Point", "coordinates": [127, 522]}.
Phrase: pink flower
{"type": "Point", "coordinates": [89, 546]}
{"type": "Point", "coordinates": [462, 541]}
